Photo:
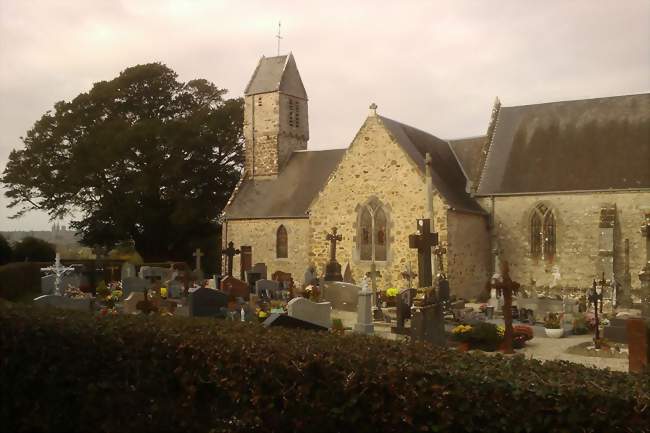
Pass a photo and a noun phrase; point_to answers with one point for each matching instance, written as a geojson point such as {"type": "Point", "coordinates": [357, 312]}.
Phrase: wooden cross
{"type": "Point", "coordinates": [198, 254]}
{"type": "Point", "coordinates": [423, 241]}
{"type": "Point", "coordinates": [333, 238]}
{"type": "Point", "coordinates": [230, 252]}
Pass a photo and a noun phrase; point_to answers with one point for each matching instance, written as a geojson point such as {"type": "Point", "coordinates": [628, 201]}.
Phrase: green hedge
{"type": "Point", "coordinates": [71, 371]}
{"type": "Point", "coordinates": [20, 280]}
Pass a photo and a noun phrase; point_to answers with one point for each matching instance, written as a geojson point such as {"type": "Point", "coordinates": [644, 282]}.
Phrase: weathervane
{"type": "Point", "coordinates": [278, 36]}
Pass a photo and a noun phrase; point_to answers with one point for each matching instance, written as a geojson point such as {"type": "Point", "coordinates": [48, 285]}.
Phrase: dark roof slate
{"type": "Point", "coordinates": [274, 74]}
{"type": "Point", "coordinates": [447, 175]}
{"type": "Point", "coordinates": [290, 193]}
{"type": "Point", "coordinates": [586, 145]}
{"type": "Point", "coordinates": [469, 153]}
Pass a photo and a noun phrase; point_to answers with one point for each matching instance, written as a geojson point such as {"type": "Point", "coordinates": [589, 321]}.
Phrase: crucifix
{"type": "Point", "coordinates": [58, 270]}
{"type": "Point", "coordinates": [230, 252]}
{"type": "Point", "coordinates": [373, 275]}
{"type": "Point", "coordinates": [278, 37]}
{"type": "Point", "coordinates": [423, 241]}
{"type": "Point", "coordinates": [198, 254]}
{"type": "Point", "coordinates": [333, 268]}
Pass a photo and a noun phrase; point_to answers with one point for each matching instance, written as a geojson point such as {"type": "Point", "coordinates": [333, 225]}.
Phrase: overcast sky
{"type": "Point", "coordinates": [436, 65]}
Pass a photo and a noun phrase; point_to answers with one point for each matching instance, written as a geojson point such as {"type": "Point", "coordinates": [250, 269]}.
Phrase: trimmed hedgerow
{"type": "Point", "coordinates": [72, 371]}
{"type": "Point", "coordinates": [20, 280]}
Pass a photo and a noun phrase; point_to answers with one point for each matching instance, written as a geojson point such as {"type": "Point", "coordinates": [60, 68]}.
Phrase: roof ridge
{"type": "Point", "coordinates": [578, 100]}
{"type": "Point", "coordinates": [494, 124]}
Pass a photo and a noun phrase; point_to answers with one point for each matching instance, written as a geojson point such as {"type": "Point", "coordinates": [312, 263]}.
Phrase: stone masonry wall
{"type": "Point", "coordinates": [374, 165]}
{"type": "Point", "coordinates": [577, 218]}
{"type": "Point", "coordinates": [468, 261]}
{"type": "Point", "coordinates": [260, 235]}
{"type": "Point", "coordinates": [262, 153]}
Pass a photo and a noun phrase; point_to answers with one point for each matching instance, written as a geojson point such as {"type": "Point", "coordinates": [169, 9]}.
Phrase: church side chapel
{"type": "Point", "coordinates": [558, 190]}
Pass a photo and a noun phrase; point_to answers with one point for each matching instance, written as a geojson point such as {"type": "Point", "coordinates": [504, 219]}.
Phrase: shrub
{"type": "Point", "coordinates": [20, 281]}
{"type": "Point", "coordinates": [72, 371]}
{"type": "Point", "coordinates": [34, 250]}
{"type": "Point", "coordinates": [5, 251]}
{"type": "Point", "coordinates": [552, 321]}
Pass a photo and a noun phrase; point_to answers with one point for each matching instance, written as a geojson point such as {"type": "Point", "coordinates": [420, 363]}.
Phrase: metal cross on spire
{"type": "Point", "coordinates": [278, 35]}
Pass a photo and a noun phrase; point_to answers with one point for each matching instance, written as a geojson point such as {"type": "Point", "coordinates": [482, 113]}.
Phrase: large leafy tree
{"type": "Point", "coordinates": [33, 249]}
{"type": "Point", "coordinates": [143, 158]}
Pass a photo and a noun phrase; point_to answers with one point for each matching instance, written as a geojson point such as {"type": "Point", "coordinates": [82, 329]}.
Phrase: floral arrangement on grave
{"type": "Point", "coordinates": [307, 292]}
{"type": "Point", "coordinates": [391, 292]}
{"type": "Point", "coordinates": [552, 321]}
{"type": "Point", "coordinates": [102, 291]}
{"type": "Point", "coordinates": [261, 314]}
{"type": "Point", "coordinates": [462, 333]}
{"type": "Point", "coordinates": [483, 336]}
{"type": "Point", "coordinates": [76, 293]}
{"type": "Point", "coordinates": [164, 292]}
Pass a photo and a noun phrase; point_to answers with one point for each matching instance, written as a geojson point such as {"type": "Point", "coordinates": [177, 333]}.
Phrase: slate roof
{"type": "Point", "coordinates": [585, 145]}
{"type": "Point", "coordinates": [278, 73]}
{"type": "Point", "coordinates": [469, 153]}
{"type": "Point", "coordinates": [447, 175]}
{"type": "Point", "coordinates": [290, 193]}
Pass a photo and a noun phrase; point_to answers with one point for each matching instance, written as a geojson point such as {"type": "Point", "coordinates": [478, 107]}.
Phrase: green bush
{"type": "Point", "coordinates": [5, 251]}
{"type": "Point", "coordinates": [72, 371]}
{"type": "Point", "coordinates": [20, 281]}
{"type": "Point", "coordinates": [34, 250]}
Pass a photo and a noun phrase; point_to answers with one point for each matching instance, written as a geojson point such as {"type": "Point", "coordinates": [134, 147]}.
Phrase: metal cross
{"type": "Point", "coordinates": [278, 36]}
{"type": "Point", "coordinates": [59, 270]}
{"type": "Point", "coordinates": [333, 238]}
{"type": "Point", "coordinates": [230, 252]}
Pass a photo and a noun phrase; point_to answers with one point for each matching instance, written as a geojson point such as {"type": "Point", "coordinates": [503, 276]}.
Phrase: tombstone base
{"type": "Point", "coordinates": [364, 328]}
{"type": "Point", "coordinates": [333, 272]}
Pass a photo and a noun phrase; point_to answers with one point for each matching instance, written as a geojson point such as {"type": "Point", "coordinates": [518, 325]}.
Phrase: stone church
{"type": "Point", "coordinates": [554, 188]}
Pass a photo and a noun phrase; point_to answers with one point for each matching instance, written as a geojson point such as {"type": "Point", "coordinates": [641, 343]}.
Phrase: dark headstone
{"type": "Point", "coordinates": [616, 331]}
{"type": "Point", "coordinates": [266, 288]}
{"type": "Point", "coordinates": [404, 301]}
{"type": "Point", "coordinates": [638, 345]}
{"type": "Point", "coordinates": [260, 268]}
{"type": "Point", "coordinates": [206, 302]}
{"type": "Point", "coordinates": [235, 288]}
{"type": "Point", "coordinates": [428, 324]}
{"type": "Point", "coordinates": [286, 321]}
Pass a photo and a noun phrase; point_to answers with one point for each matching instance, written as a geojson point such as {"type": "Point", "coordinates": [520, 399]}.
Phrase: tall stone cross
{"type": "Point", "coordinates": [58, 270]}
{"type": "Point", "coordinates": [423, 241]}
{"type": "Point", "coordinates": [333, 268]}
{"type": "Point", "coordinates": [373, 275]}
{"type": "Point", "coordinates": [230, 252]}
{"type": "Point", "coordinates": [198, 254]}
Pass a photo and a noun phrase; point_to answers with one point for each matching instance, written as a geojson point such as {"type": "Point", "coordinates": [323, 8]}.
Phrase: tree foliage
{"type": "Point", "coordinates": [33, 250]}
{"type": "Point", "coordinates": [143, 157]}
{"type": "Point", "coordinates": [5, 251]}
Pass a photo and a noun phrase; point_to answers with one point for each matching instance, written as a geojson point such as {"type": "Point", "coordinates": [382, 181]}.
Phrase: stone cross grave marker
{"type": "Point", "coordinates": [230, 253]}
{"type": "Point", "coordinates": [373, 275]}
{"type": "Point", "coordinates": [333, 268]}
{"type": "Point", "coordinates": [58, 270]}
{"type": "Point", "coordinates": [423, 241]}
{"type": "Point", "coordinates": [128, 270]}
{"type": "Point", "coordinates": [507, 288]}
{"type": "Point", "coordinates": [364, 323]}
{"type": "Point", "coordinates": [198, 254]}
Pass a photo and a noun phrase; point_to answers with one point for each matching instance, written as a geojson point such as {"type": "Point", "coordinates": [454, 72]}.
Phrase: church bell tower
{"type": "Point", "coordinates": [275, 116]}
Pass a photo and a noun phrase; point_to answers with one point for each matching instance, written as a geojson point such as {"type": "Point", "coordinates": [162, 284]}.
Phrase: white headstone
{"type": "Point", "coordinates": [364, 323]}
{"type": "Point", "coordinates": [319, 313]}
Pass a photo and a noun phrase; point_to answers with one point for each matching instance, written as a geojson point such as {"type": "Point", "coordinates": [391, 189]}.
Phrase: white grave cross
{"type": "Point", "coordinates": [59, 270]}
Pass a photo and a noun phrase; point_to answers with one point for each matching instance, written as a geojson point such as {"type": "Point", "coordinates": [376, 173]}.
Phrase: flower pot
{"type": "Point", "coordinates": [554, 333]}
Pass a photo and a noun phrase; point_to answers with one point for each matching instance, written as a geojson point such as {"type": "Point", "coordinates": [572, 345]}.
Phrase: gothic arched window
{"type": "Point", "coordinates": [542, 233]}
{"type": "Point", "coordinates": [281, 243]}
{"type": "Point", "coordinates": [372, 236]}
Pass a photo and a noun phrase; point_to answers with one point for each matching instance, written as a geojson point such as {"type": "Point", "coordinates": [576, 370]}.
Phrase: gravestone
{"type": "Point", "coordinates": [347, 274]}
{"type": "Point", "coordinates": [423, 241]}
{"type": "Point", "coordinates": [153, 273]}
{"type": "Point", "coordinates": [638, 345]}
{"type": "Point", "coordinates": [310, 278]}
{"type": "Point", "coordinates": [286, 321]}
{"type": "Point", "coordinates": [128, 270]}
{"type": "Point", "coordinates": [48, 283]}
{"type": "Point", "coordinates": [260, 269]}
{"type": "Point", "coordinates": [129, 306]}
{"type": "Point", "coordinates": [206, 302]}
{"type": "Point", "coordinates": [616, 331]}
{"type": "Point", "coordinates": [134, 284]}
{"type": "Point", "coordinates": [266, 288]}
{"type": "Point", "coordinates": [64, 302]}
{"type": "Point", "coordinates": [235, 288]}
{"type": "Point", "coordinates": [364, 323]}
{"type": "Point", "coordinates": [319, 313]}
{"type": "Point", "coordinates": [428, 324]}
{"type": "Point", "coordinates": [404, 301]}
{"type": "Point", "coordinates": [343, 296]}
{"type": "Point", "coordinates": [333, 268]}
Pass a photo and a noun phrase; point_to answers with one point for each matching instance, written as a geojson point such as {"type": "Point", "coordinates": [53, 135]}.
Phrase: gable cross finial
{"type": "Point", "coordinates": [278, 35]}
{"type": "Point", "coordinates": [373, 109]}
